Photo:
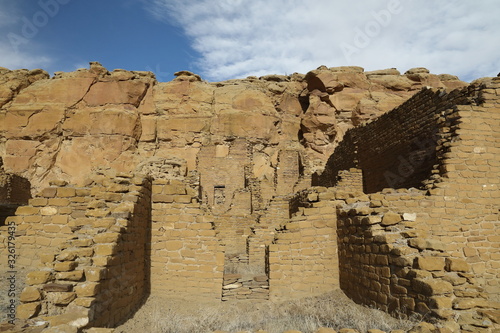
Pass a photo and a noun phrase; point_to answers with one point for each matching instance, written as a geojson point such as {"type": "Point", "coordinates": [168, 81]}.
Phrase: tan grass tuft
{"type": "Point", "coordinates": [333, 310]}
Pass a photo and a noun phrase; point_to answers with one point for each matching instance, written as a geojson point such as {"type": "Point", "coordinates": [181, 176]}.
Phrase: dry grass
{"type": "Point", "coordinates": [333, 310]}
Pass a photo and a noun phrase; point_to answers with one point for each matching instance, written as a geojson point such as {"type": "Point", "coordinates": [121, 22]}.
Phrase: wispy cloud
{"type": "Point", "coordinates": [21, 59]}
{"type": "Point", "coordinates": [17, 48]}
{"type": "Point", "coordinates": [239, 38]}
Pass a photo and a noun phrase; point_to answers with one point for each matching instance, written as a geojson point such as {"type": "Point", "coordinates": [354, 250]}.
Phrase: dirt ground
{"type": "Point", "coordinates": [333, 310]}
{"type": "Point", "coordinates": [9, 281]}
{"type": "Point", "coordinates": [168, 315]}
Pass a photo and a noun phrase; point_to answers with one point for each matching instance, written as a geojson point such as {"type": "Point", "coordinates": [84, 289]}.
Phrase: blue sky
{"type": "Point", "coordinates": [224, 39]}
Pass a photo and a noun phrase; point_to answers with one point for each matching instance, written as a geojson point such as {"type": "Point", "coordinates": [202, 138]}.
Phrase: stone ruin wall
{"type": "Point", "coordinates": [87, 251]}
{"type": "Point", "coordinates": [401, 149]}
{"type": "Point", "coordinates": [199, 179]}
{"type": "Point", "coordinates": [433, 247]}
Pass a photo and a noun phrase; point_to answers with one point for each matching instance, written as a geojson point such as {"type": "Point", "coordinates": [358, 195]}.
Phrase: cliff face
{"type": "Point", "coordinates": [68, 126]}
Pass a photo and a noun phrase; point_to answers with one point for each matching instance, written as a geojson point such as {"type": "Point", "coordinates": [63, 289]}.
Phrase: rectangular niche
{"type": "Point", "coordinates": [219, 194]}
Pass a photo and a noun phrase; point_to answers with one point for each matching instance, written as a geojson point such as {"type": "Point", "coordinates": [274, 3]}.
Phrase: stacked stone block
{"type": "Point", "coordinates": [288, 172]}
{"type": "Point", "coordinates": [387, 263]}
{"type": "Point", "coordinates": [234, 230]}
{"type": "Point", "coordinates": [14, 192]}
{"type": "Point", "coordinates": [99, 249]}
{"type": "Point", "coordinates": [187, 257]}
{"type": "Point", "coordinates": [245, 287]}
{"type": "Point", "coordinates": [445, 262]}
{"type": "Point", "coordinates": [263, 233]}
{"type": "Point", "coordinates": [303, 257]}
{"type": "Point", "coordinates": [351, 180]}
{"type": "Point", "coordinates": [400, 148]}
{"type": "Point", "coordinates": [89, 245]}
{"type": "Point", "coordinates": [222, 173]}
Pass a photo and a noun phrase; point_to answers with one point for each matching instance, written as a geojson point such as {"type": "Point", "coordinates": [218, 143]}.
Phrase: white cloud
{"type": "Point", "coordinates": [237, 38]}
{"type": "Point", "coordinates": [17, 50]}
{"type": "Point", "coordinates": [11, 59]}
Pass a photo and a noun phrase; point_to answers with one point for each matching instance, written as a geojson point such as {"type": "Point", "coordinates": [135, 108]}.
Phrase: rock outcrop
{"type": "Point", "coordinates": [67, 126]}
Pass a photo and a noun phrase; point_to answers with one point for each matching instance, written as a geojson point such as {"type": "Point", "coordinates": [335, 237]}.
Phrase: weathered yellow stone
{"type": "Point", "coordinates": [430, 263]}
{"type": "Point", "coordinates": [84, 252]}
{"type": "Point", "coordinates": [439, 302]}
{"type": "Point", "coordinates": [95, 274]}
{"type": "Point", "coordinates": [390, 218]}
{"type": "Point", "coordinates": [66, 255]}
{"type": "Point", "coordinates": [85, 301]}
{"type": "Point", "coordinates": [98, 212]}
{"type": "Point", "coordinates": [28, 310]}
{"type": "Point", "coordinates": [101, 260]}
{"type": "Point", "coordinates": [85, 242]}
{"type": "Point", "coordinates": [30, 294]}
{"type": "Point", "coordinates": [173, 245]}
{"type": "Point", "coordinates": [104, 249]}
{"type": "Point", "coordinates": [38, 202]}
{"type": "Point", "coordinates": [48, 211]}
{"type": "Point", "coordinates": [61, 298]}
{"type": "Point", "coordinates": [48, 192]}
{"type": "Point", "coordinates": [59, 202]}
{"type": "Point", "coordinates": [38, 277]}
{"type": "Point", "coordinates": [70, 276]}
{"type": "Point", "coordinates": [65, 266]}
{"type": "Point", "coordinates": [46, 258]}
{"type": "Point", "coordinates": [107, 237]}
{"type": "Point", "coordinates": [465, 304]}
{"type": "Point", "coordinates": [76, 317]}
{"type": "Point", "coordinates": [27, 210]}
{"type": "Point", "coordinates": [87, 289]}
{"type": "Point", "coordinates": [60, 219]}
{"type": "Point", "coordinates": [431, 287]}
{"type": "Point", "coordinates": [423, 328]}
{"type": "Point", "coordinates": [65, 192]}
{"type": "Point", "coordinates": [456, 265]}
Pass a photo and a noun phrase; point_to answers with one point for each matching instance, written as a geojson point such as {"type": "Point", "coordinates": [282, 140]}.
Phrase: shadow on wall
{"type": "Point", "coordinates": [15, 191]}
{"type": "Point", "coordinates": [403, 148]}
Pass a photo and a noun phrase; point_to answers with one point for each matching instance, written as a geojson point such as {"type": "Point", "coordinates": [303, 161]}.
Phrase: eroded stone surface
{"type": "Point", "coordinates": [67, 126]}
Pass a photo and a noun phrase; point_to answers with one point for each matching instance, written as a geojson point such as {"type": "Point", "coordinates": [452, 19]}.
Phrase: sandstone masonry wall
{"type": "Point", "coordinates": [384, 263]}
{"type": "Point", "coordinates": [303, 257]}
{"type": "Point", "coordinates": [187, 257]}
{"type": "Point", "coordinates": [434, 251]}
{"type": "Point", "coordinates": [89, 245]}
{"type": "Point", "coordinates": [399, 149]}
